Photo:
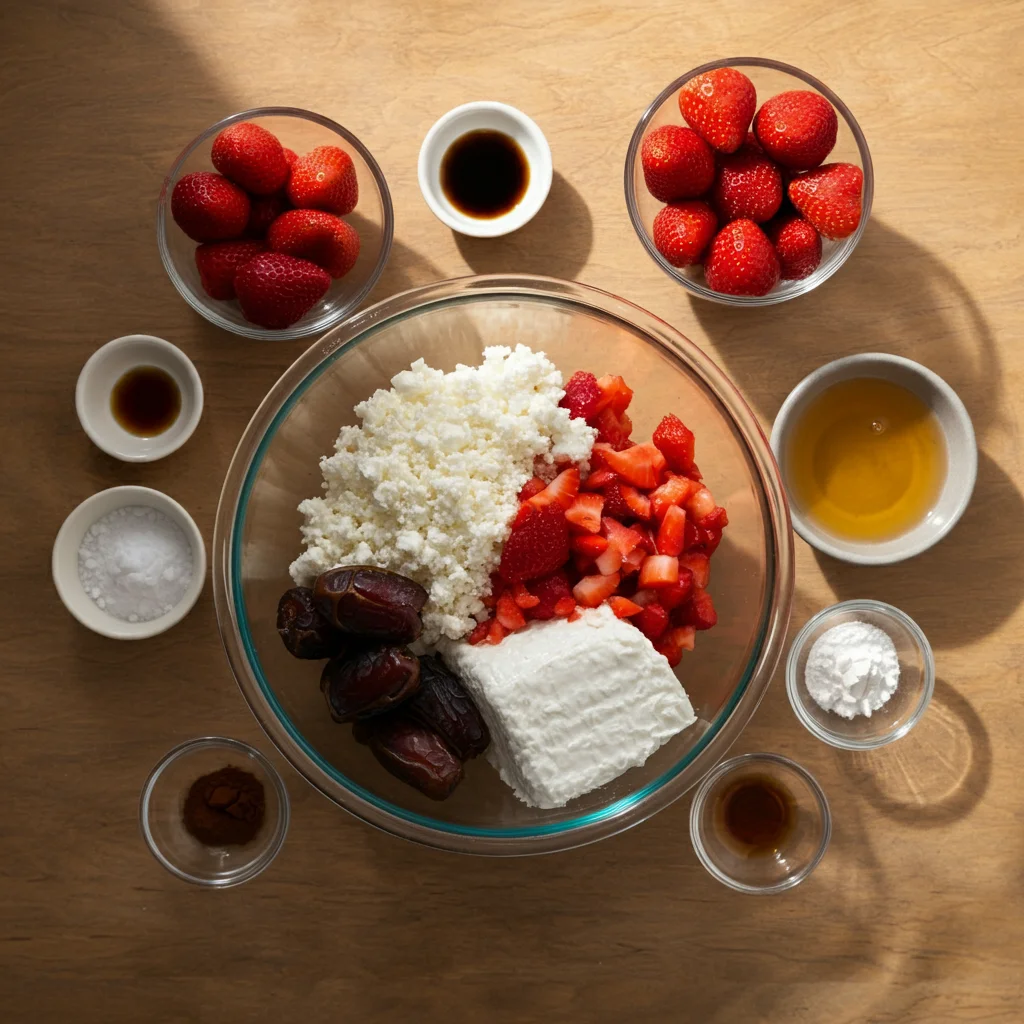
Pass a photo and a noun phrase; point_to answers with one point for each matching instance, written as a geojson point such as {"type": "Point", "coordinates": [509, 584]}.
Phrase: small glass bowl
{"type": "Point", "coordinates": [163, 799]}
{"type": "Point", "coordinates": [900, 713]}
{"type": "Point", "coordinates": [770, 77]}
{"type": "Point", "coordinates": [373, 218]}
{"type": "Point", "coordinates": [761, 874]}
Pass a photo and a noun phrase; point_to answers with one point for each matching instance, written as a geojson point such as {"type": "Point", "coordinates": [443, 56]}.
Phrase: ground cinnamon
{"type": "Point", "coordinates": [225, 808]}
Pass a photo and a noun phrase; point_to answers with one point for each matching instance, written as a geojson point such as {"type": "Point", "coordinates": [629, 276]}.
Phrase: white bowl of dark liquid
{"type": "Point", "coordinates": [485, 169]}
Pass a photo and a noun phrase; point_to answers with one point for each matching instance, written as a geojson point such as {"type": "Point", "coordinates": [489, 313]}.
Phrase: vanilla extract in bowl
{"type": "Point", "coordinates": [484, 174]}
{"type": "Point", "coordinates": [755, 815]}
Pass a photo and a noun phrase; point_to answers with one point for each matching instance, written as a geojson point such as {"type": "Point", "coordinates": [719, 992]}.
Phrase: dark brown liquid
{"type": "Point", "coordinates": [484, 173]}
{"type": "Point", "coordinates": [757, 814]}
{"type": "Point", "coordinates": [145, 401]}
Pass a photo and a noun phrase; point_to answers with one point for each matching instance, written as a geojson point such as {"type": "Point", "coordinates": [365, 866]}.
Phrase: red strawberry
{"type": "Point", "coordinates": [320, 237]}
{"type": "Point", "coordinates": [615, 393]}
{"type": "Point", "coordinates": [509, 614]}
{"type": "Point", "coordinates": [615, 504]}
{"type": "Point", "coordinates": [675, 441]}
{"type": "Point", "coordinates": [659, 571]}
{"type": "Point", "coordinates": [598, 479]}
{"type": "Point", "coordinates": [671, 531]}
{"type": "Point", "coordinates": [797, 245]}
{"type": "Point", "coordinates": [829, 197]}
{"type": "Point", "coordinates": [585, 512]}
{"type": "Point", "coordinates": [537, 545]}
{"type": "Point", "coordinates": [582, 396]}
{"type": "Point", "coordinates": [674, 642]}
{"type": "Point", "coordinates": [698, 611]}
{"type": "Point", "coordinates": [275, 290]}
{"type": "Point", "coordinates": [532, 486]}
{"type": "Point", "coordinates": [291, 156]}
{"type": "Point", "coordinates": [592, 590]}
{"type": "Point", "coordinates": [251, 157]}
{"type": "Point", "coordinates": [652, 620]}
{"type": "Point", "coordinates": [591, 545]}
{"type": "Point", "coordinates": [522, 597]}
{"type": "Point", "coordinates": [675, 594]}
{"type": "Point", "coordinates": [683, 230]}
{"type": "Point", "coordinates": [623, 607]}
{"type": "Point", "coordinates": [699, 565]}
{"type": "Point", "coordinates": [719, 105]}
{"type": "Point", "coordinates": [551, 590]}
{"type": "Point", "coordinates": [208, 207]}
{"type": "Point", "coordinates": [741, 261]}
{"type": "Point", "coordinates": [676, 490]}
{"type": "Point", "coordinates": [324, 179]}
{"type": "Point", "coordinates": [613, 428]}
{"type": "Point", "coordinates": [218, 262]}
{"type": "Point", "coordinates": [639, 465]}
{"type": "Point", "coordinates": [747, 185]}
{"type": "Point", "coordinates": [677, 163]}
{"type": "Point", "coordinates": [797, 129]}
{"type": "Point", "coordinates": [560, 492]}
{"type": "Point", "coordinates": [263, 211]}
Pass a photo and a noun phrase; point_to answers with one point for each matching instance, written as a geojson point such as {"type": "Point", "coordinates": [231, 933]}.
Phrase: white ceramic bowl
{"type": "Point", "coordinates": [102, 371]}
{"type": "Point", "coordinates": [961, 451]}
{"type": "Point", "coordinates": [485, 114]}
{"type": "Point", "coordinates": [64, 562]}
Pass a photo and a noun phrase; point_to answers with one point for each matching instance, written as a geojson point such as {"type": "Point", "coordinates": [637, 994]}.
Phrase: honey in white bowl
{"type": "Point", "coordinates": [866, 460]}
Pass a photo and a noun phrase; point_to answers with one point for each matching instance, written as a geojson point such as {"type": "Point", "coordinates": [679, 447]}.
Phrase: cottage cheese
{"type": "Point", "coordinates": [428, 485]}
{"type": "Point", "coordinates": [571, 705]}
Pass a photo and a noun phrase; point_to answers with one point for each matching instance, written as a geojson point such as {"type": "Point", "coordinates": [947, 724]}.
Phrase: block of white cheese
{"type": "Point", "coordinates": [570, 705]}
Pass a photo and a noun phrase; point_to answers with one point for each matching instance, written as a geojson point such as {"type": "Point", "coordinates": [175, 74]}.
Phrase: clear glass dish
{"type": "Point", "coordinates": [276, 465]}
{"type": "Point", "coordinates": [770, 77]}
{"type": "Point", "coordinates": [373, 218]}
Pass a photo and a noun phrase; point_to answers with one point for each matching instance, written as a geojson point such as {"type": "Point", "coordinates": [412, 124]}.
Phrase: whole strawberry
{"type": "Point", "coordinates": [747, 185]}
{"type": "Point", "coordinates": [683, 230]}
{"type": "Point", "coordinates": [829, 197]}
{"type": "Point", "coordinates": [320, 237]}
{"type": "Point", "coordinates": [797, 245]}
{"type": "Point", "coordinates": [218, 262]}
{"type": "Point", "coordinates": [208, 207]}
{"type": "Point", "coordinates": [797, 129]}
{"type": "Point", "coordinates": [251, 157]}
{"type": "Point", "coordinates": [324, 179]}
{"type": "Point", "coordinates": [741, 261]}
{"type": "Point", "coordinates": [263, 211]}
{"type": "Point", "coordinates": [718, 105]}
{"type": "Point", "coordinates": [275, 290]}
{"type": "Point", "coordinates": [677, 163]}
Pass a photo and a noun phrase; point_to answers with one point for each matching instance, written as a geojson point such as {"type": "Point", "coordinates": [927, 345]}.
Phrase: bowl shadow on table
{"type": "Point", "coordinates": [891, 296]}
{"type": "Point", "coordinates": [969, 583]}
{"type": "Point", "coordinates": [556, 243]}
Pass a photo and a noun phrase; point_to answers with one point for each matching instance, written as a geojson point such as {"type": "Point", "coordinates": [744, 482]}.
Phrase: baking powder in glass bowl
{"type": "Point", "coordinates": [853, 669]}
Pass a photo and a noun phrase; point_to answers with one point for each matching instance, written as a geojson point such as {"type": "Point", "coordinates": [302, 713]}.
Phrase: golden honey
{"type": "Point", "coordinates": [866, 460]}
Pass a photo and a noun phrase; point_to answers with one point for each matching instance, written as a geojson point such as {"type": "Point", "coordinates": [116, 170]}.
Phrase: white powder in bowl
{"type": "Point", "coordinates": [853, 669]}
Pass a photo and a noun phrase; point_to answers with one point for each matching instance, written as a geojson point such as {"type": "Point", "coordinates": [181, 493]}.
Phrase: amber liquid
{"type": "Point", "coordinates": [145, 401]}
{"type": "Point", "coordinates": [756, 815]}
{"type": "Point", "coordinates": [484, 174]}
{"type": "Point", "coordinates": [866, 460]}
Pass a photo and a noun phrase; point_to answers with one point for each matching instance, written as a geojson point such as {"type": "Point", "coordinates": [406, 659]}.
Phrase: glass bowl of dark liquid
{"type": "Point", "coordinates": [760, 823]}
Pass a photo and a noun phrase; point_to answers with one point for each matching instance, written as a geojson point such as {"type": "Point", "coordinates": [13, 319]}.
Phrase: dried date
{"type": "Point", "coordinates": [442, 704]}
{"type": "Point", "coordinates": [372, 602]}
{"type": "Point", "coordinates": [369, 681]}
{"type": "Point", "coordinates": [306, 632]}
{"type": "Point", "coordinates": [416, 755]}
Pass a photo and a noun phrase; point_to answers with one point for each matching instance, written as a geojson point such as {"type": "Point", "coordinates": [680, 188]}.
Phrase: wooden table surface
{"type": "Point", "coordinates": [916, 914]}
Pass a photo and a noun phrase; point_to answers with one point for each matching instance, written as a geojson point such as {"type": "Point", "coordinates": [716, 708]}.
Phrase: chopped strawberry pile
{"type": "Point", "coordinates": [637, 532]}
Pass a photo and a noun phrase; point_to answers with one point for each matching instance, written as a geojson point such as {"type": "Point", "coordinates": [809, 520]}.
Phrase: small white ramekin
{"type": "Point", "coordinates": [102, 371]}
{"type": "Point", "coordinates": [961, 449]}
{"type": "Point", "coordinates": [481, 115]}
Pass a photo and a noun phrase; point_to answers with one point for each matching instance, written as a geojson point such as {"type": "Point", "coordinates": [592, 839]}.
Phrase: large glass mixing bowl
{"type": "Point", "coordinates": [276, 465]}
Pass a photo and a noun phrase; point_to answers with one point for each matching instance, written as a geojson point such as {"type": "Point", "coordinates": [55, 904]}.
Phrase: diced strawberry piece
{"type": "Point", "coordinates": [659, 571]}
{"type": "Point", "coordinates": [670, 533]}
{"type": "Point", "coordinates": [685, 636]}
{"type": "Point", "coordinates": [561, 491]}
{"type": "Point", "coordinates": [615, 504]}
{"type": "Point", "coordinates": [674, 491]}
{"type": "Point", "coordinates": [589, 545]}
{"type": "Point", "coordinates": [537, 545]}
{"type": "Point", "coordinates": [709, 540]}
{"type": "Point", "coordinates": [698, 612]}
{"type": "Point", "coordinates": [585, 512]}
{"type": "Point", "coordinates": [592, 590]}
{"type": "Point", "coordinates": [676, 442]}
{"type": "Point", "coordinates": [699, 564]}
{"type": "Point", "coordinates": [694, 473]}
{"type": "Point", "coordinates": [577, 613]}
{"type": "Point", "coordinates": [652, 621]}
{"type": "Point", "coordinates": [496, 632]}
{"type": "Point", "coordinates": [565, 606]}
{"type": "Point", "coordinates": [716, 519]}
{"type": "Point", "coordinates": [598, 479]}
{"type": "Point", "coordinates": [647, 541]}
{"type": "Point", "coordinates": [674, 642]}
{"type": "Point", "coordinates": [639, 465]}
{"type": "Point", "coordinates": [634, 560]}
{"type": "Point", "coordinates": [609, 560]}
{"type": "Point", "coordinates": [599, 454]}
{"type": "Point", "coordinates": [616, 392]}
{"type": "Point", "coordinates": [522, 597]}
{"type": "Point", "coordinates": [532, 486]}
{"type": "Point", "coordinates": [583, 564]}
{"type": "Point", "coordinates": [676, 594]}
{"type": "Point", "coordinates": [583, 398]}
{"type": "Point", "coordinates": [646, 597]}
{"type": "Point", "coordinates": [613, 428]}
{"type": "Point", "coordinates": [480, 632]}
{"type": "Point", "coordinates": [639, 504]}
{"type": "Point", "coordinates": [623, 607]}
{"type": "Point", "coordinates": [625, 538]}
{"type": "Point", "coordinates": [509, 613]}
{"type": "Point", "coordinates": [700, 504]}
{"type": "Point", "coordinates": [549, 591]}
{"type": "Point", "coordinates": [522, 515]}
{"type": "Point", "coordinates": [692, 537]}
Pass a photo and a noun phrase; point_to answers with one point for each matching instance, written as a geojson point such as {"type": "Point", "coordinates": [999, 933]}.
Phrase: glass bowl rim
{"type": "Point", "coordinates": [258, 864]}
{"type": "Point", "coordinates": [836, 739]}
{"type": "Point", "coordinates": [727, 767]}
{"type": "Point", "coordinates": [300, 330]}
{"type": "Point", "coordinates": [244, 662]}
{"type": "Point", "coordinates": [702, 291]}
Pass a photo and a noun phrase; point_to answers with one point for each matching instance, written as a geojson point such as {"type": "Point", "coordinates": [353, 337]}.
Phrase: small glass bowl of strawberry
{"type": "Point", "coordinates": [275, 223]}
{"type": "Point", "coordinates": [748, 181]}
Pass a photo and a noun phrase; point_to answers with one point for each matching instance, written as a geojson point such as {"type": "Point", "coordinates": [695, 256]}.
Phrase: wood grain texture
{"type": "Point", "coordinates": [916, 914]}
